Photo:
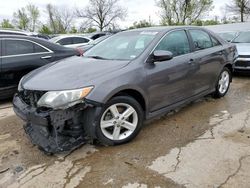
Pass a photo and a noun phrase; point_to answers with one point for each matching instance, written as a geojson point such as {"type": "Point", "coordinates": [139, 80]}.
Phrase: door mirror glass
{"type": "Point", "coordinates": [162, 55]}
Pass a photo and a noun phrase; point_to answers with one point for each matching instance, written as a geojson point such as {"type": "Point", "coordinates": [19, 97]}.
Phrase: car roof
{"type": "Point", "coordinates": [165, 28]}
{"type": "Point", "coordinates": [66, 36]}
{"type": "Point", "coordinates": [16, 31]}
{"type": "Point", "coordinates": [16, 36]}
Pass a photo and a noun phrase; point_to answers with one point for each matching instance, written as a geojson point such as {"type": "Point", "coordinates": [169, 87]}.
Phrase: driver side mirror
{"type": "Point", "coordinates": [162, 55]}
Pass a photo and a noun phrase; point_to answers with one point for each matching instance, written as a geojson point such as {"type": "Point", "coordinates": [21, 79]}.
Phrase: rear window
{"type": "Point", "coordinates": [65, 41]}
{"type": "Point", "coordinates": [78, 40]}
{"type": "Point", "coordinates": [18, 47]}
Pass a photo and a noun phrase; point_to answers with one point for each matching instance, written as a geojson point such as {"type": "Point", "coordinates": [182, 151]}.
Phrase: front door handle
{"type": "Point", "coordinates": [46, 57]}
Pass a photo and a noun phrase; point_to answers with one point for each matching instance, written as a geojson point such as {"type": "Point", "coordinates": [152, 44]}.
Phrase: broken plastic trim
{"type": "Point", "coordinates": [55, 131]}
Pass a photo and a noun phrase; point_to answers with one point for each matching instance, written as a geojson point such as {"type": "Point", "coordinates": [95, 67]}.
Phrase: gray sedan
{"type": "Point", "coordinates": [128, 78]}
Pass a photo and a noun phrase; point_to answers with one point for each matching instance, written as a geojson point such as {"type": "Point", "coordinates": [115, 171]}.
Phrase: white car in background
{"type": "Point", "coordinates": [229, 35]}
{"type": "Point", "coordinates": [72, 41]}
{"type": "Point", "coordinates": [242, 42]}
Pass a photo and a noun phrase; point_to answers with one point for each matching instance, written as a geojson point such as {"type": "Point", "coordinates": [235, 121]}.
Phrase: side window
{"type": "Point", "coordinates": [215, 41]}
{"type": "Point", "coordinates": [39, 49]}
{"type": "Point", "coordinates": [175, 42]}
{"type": "Point", "coordinates": [65, 41]}
{"type": "Point", "coordinates": [77, 40]}
{"type": "Point", "coordinates": [16, 47]}
{"type": "Point", "coordinates": [201, 39]}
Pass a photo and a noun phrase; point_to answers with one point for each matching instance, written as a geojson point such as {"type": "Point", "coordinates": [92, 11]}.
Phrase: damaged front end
{"type": "Point", "coordinates": [51, 130]}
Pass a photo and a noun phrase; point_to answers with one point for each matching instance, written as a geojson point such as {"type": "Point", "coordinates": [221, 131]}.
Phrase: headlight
{"type": "Point", "coordinates": [63, 99]}
{"type": "Point", "coordinates": [20, 88]}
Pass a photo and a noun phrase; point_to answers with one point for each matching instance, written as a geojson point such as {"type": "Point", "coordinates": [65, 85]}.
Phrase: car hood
{"type": "Point", "coordinates": [70, 73]}
{"type": "Point", "coordinates": [243, 48]}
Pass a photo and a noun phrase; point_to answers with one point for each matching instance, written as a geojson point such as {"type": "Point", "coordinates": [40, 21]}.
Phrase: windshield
{"type": "Point", "coordinates": [229, 36]}
{"type": "Point", "coordinates": [122, 46]}
{"type": "Point", "coordinates": [243, 37]}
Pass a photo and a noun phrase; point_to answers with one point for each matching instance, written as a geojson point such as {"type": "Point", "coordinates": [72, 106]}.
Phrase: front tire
{"type": "Point", "coordinates": [120, 121]}
{"type": "Point", "coordinates": [223, 83]}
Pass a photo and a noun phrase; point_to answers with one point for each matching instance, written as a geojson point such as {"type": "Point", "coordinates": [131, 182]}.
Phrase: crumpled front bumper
{"type": "Point", "coordinates": [52, 131]}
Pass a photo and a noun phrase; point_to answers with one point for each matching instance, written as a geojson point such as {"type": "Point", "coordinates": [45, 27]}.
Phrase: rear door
{"type": "Point", "coordinates": [21, 56]}
{"type": "Point", "coordinates": [170, 81]}
{"type": "Point", "coordinates": [208, 57]}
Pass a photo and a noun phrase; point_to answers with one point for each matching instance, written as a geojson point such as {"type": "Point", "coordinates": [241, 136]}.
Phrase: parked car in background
{"type": "Point", "coordinates": [86, 47]}
{"type": "Point", "coordinates": [242, 42]}
{"type": "Point", "coordinates": [72, 41]}
{"type": "Point", "coordinates": [120, 82]}
{"type": "Point", "coordinates": [20, 55]}
{"type": "Point", "coordinates": [96, 35]}
{"type": "Point", "coordinates": [23, 33]}
{"type": "Point", "coordinates": [228, 36]}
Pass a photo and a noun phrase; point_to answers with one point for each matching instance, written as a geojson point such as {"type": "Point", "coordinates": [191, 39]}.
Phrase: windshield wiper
{"type": "Point", "coordinates": [96, 57]}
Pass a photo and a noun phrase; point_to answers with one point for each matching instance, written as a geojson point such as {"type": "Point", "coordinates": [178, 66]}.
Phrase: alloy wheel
{"type": "Point", "coordinates": [224, 82]}
{"type": "Point", "coordinates": [119, 121]}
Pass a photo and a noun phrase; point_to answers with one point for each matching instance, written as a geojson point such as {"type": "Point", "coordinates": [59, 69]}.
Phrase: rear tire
{"type": "Point", "coordinates": [120, 121]}
{"type": "Point", "coordinates": [223, 83]}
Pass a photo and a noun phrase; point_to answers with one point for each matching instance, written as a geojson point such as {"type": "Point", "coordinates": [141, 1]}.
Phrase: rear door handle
{"type": "Point", "coordinates": [46, 57]}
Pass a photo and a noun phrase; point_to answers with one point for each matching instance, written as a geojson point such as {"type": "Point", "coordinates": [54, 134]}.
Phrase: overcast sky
{"type": "Point", "coordinates": [137, 9]}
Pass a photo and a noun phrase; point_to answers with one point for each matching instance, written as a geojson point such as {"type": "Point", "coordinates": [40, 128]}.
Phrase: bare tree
{"type": "Point", "coordinates": [183, 11]}
{"type": "Point", "coordinates": [102, 13]}
{"type": "Point", "coordinates": [60, 20]}
{"type": "Point", "coordinates": [21, 19]}
{"type": "Point", "coordinates": [33, 14]}
{"type": "Point", "coordinates": [240, 7]}
{"type": "Point", "coordinates": [52, 22]}
{"type": "Point", "coordinates": [65, 18]}
{"type": "Point", "coordinates": [166, 14]}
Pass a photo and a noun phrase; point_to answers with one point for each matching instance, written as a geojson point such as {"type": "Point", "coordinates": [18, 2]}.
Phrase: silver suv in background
{"type": "Point", "coordinates": [72, 41]}
{"type": "Point", "coordinates": [242, 42]}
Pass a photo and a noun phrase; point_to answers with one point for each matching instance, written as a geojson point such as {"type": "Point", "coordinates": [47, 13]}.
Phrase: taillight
{"type": "Point", "coordinates": [80, 51]}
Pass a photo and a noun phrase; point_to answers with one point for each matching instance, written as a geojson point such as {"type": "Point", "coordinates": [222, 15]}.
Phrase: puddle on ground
{"type": "Point", "coordinates": [212, 158]}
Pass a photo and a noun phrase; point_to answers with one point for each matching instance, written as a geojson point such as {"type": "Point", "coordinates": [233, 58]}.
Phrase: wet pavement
{"type": "Point", "coordinates": [205, 144]}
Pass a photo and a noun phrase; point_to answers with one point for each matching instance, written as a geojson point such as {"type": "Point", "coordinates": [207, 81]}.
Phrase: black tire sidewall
{"type": "Point", "coordinates": [120, 99]}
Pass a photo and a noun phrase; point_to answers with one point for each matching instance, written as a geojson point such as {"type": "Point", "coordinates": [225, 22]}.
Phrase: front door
{"type": "Point", "coordinates": [170, 81]}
